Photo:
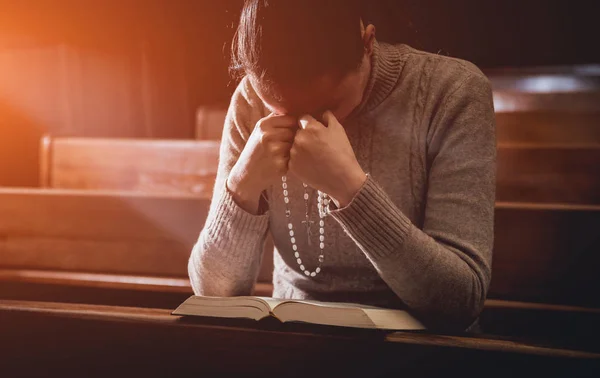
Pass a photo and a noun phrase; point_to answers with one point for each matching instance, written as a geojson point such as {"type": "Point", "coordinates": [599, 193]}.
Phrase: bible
{"type": "Point", "coordinates": [304, 311]}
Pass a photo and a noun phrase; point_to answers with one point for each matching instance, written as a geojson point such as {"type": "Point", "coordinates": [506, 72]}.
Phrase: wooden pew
{"type": "Point", "coordinates": [538, 173]}
{"type": "Point", "coordinates": [154, 167]}
{"type": "Point", "coordinates": [547, 253]}
{"type": "Point", "coordinates": [48, 339]}
{"type": "Point", "coordinates": [548, 131]}
{"type": "Point", "coordinates": [77, 244]}
{"type": "Point", "coordinates": [210, 121]}
{"type": "Point", "coordinates": [99, 247]}
{"type": "Point", "coordinates": [151, 166]}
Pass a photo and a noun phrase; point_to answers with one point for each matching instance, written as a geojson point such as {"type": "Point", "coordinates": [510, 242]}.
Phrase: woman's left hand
{"type": "Point", "coordinates": [322, 157]}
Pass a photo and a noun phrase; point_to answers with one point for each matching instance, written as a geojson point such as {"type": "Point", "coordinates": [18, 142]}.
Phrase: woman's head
{"type": "Point", "coordinates": [304, 56]}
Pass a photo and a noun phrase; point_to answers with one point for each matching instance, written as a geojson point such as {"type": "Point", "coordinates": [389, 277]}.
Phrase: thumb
{"type": "Point", "coordinates": [305, 120]}
{"type": "Point", "coordinates": [330, 121]}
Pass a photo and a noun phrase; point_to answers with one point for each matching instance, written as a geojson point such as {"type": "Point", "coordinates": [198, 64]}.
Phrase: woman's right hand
{"type": "Point", "coordinates": [263, 161]}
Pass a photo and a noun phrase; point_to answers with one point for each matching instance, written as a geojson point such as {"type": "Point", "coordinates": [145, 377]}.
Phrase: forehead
{"type": "Point", "coordinates": [315, 96]}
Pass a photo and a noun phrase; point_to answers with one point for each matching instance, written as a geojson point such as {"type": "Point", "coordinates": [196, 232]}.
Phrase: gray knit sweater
{"type": "Point", "coordinates": [418, 235]}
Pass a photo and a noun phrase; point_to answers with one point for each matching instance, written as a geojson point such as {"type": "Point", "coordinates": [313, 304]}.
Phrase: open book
{"type": "Point", "coordinates": [325, 313]}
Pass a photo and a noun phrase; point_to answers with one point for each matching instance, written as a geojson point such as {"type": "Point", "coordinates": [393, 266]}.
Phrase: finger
{"type": "Point", "coordinates": [282, 134]}
{"type": "Point", "coordinates": [308, 121]}
{"type": "Point", "coordinates": [329, 118]}
{"type": "Point", "coordinates": [281, 149]}
{"type": "Point", "coordinates": [280, 121]}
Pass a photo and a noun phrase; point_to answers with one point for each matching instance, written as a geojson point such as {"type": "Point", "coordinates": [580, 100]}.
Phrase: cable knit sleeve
{"type": "Point", "coordinates": [443, 270]}
{"type": "Point", "coordinates": [226, 258]}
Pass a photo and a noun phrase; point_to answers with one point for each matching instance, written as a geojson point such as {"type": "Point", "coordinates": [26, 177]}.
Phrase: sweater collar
{"type": "Point", "coordinates": [386, 67]}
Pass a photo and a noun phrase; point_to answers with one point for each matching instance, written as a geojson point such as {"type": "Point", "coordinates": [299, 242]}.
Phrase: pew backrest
{"type": "Point", "coordinates": [152, 166]}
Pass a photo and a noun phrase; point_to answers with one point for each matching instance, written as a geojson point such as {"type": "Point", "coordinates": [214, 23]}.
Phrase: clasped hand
{"type": "Point", "coordinates": [317, 153]}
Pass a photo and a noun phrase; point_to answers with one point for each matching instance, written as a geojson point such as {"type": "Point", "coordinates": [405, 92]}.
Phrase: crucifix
{"type": "Point", "coordinates": [307, 223]}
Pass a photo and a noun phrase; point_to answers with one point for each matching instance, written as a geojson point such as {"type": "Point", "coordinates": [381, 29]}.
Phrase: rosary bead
{"type": "Point", "coordinates": [322, 202]}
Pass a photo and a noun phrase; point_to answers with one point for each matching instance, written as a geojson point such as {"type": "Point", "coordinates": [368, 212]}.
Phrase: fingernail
{"type": "Point", "coordinates": [303, 122]}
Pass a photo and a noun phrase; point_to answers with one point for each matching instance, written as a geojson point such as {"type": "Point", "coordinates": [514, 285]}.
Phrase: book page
{"type": "Point", "coordinates": [393, 319]}
{"type": "Point", "coordinates": [227, 307]}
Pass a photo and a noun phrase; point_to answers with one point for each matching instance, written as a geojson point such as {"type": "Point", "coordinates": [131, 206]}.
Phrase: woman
{"type": "Point", "coordinates": [372, 166]}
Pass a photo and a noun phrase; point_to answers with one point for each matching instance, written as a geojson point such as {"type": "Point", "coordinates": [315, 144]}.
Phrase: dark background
{"type": "Point", "coordinates": [114, 68]}
{"type": "Point", "coordinates": [490, 33]}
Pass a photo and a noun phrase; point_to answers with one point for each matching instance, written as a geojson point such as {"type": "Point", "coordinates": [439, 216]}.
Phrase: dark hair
{"type": "Point", "coordinates": [289, 42]}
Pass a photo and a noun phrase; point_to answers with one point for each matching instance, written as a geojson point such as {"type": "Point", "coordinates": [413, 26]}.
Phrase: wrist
{"type": "Point", "coordinates": [245, 195]}
{"type": "Point", "coordinates": [350, 189]}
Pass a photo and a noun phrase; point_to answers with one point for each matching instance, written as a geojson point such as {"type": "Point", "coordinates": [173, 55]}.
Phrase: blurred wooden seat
{"type": "Point", "coordinates": [542, 173]}
{"type": "Point", "coordinates": [547, 254]}
{"type": "Point", "coordinates": [548, 131]}
{"type": "Point", "coordinates": [138, 165]}
{"type": "Point", "coordinates": [152, 167]}
{"type": "Point", "coordinates": [209, 122]}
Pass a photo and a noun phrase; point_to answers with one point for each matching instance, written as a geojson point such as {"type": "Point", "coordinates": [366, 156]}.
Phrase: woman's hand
{"type": "Point", "coordinates": [263, 161]}
{"type": "Point", "coordinates": [322, 157]}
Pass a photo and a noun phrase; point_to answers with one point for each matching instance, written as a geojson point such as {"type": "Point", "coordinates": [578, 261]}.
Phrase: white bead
{"type": "Point", "coordinates": [284, 185]}
{"type": "Point", "coordinates": [299, 261]}
{"type": "Point", "coordinates": [321, 245]}
{"type": "Point", "coordinates": [305, 196]}
{"type": "Point", "coordinates": [318, 270]}
{"type": "Point", "coordinates": [321, 223]}
{"type": "Point", "coordinates": [321, 230]}
{"type": "Point", "coordinates": [293, 240]}
{"type": "Point", "coordinates": [286, 200]}
{"type": "Point", "coordinates": [283, 178]}
{"type": "Point", "coordinates": [313, 274]}
{"type": "Point", "coordinates": [285, 193]}
{"type": "Point", "coordinates": [322, 237]}
{"type": "Point", "coordinates": [297, 255]}
{"type": "Point", "coordinates": [290, 226]}
{"type": "Point", "coordinates": [294, 247]}
{"type": "Point", "coordinates": [307, 272]}
{"type": "Point", "coordinates": [291, 232]}
{"type": "Point", "coordinates": [302, 267]}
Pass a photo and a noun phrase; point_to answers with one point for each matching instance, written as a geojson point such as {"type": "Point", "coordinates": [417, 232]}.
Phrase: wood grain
{"type": "Point", "coordinates": [154, 166]}
{"type": "Point", "coordinates": [548, 173]}
{"type": "Point", "coordinates": [128, 341]}
{"type": "Point", "coordinates": [98, 232]}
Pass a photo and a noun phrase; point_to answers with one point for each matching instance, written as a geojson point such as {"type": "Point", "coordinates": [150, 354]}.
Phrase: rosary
{"type": "Point", "coordinates": [323, 206]}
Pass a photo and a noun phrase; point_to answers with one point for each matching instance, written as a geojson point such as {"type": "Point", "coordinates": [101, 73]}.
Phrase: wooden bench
{"type": "Point", "coordinates": [548, 130]}
{"type": "Point", "coordinates": [74, 245]}
{"type": "Point", "coordinates": [48, 339]}
{"type": "Point", "coordinates": [151, 166]}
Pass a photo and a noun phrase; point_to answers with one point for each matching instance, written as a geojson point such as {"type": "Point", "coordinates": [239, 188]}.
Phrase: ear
{"type": "Point", "coordinates": [368, 37]}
